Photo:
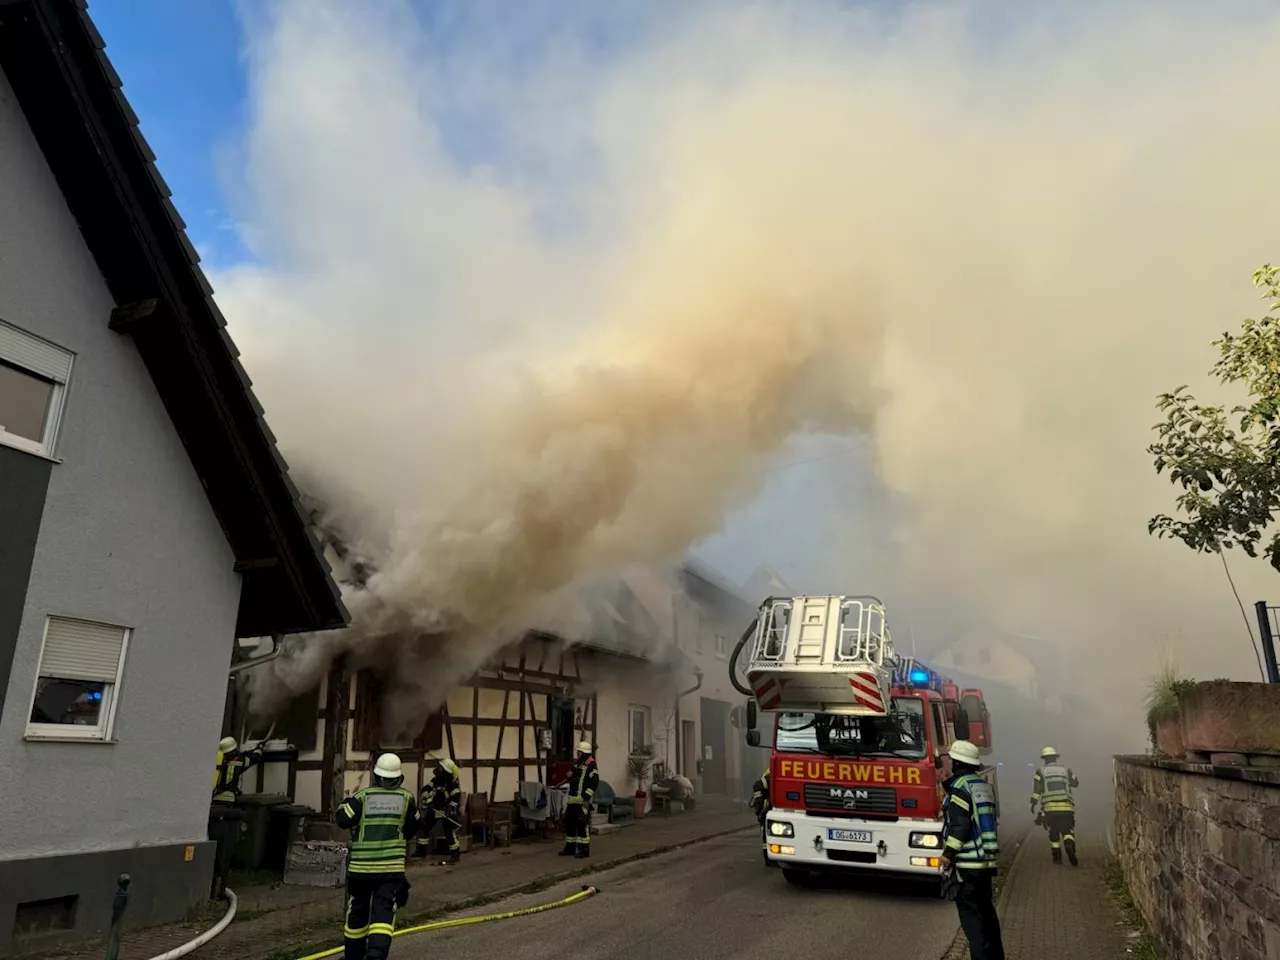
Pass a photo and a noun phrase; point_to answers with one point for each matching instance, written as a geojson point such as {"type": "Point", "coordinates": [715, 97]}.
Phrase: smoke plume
{"type": "Point", "coordinates": [549, 288]}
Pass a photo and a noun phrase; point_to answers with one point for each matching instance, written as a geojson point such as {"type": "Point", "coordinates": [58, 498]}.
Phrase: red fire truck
{"type": "Point", "coordinates": [860, 738]}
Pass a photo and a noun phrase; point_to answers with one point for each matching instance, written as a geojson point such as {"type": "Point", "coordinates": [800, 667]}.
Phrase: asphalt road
{"type": "Point", "coordinates": [710, 900]}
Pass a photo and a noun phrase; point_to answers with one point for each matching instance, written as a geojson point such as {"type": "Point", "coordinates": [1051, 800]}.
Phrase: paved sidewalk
{"type": "Point", "coordinates": [1050, 912]}
{"type": "Point", "coordinates": [273, 921]}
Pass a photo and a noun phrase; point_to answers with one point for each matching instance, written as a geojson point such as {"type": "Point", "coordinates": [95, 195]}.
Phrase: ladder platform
{"type": "Point", "coordinates": [830, 654]}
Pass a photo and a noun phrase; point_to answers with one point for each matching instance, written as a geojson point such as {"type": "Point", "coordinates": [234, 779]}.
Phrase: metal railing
{"type": "Point", "coordinates": [1268, 628]}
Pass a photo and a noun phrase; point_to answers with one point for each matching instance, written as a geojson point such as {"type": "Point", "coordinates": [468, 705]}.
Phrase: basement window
{"type": "Point", "coordinates": [76, 684]}
{"type": "Point", "coordinates": [36, 917]}
{"type": "Point", "coordinates": [33, 382]}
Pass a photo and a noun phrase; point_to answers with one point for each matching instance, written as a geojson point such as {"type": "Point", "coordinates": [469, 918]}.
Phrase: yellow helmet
{"type": "Point", "coordinates": [1048, 752]}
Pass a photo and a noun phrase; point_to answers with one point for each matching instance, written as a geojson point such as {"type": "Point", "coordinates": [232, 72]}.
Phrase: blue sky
{"type": "Point", "coordinates": [183, 73]}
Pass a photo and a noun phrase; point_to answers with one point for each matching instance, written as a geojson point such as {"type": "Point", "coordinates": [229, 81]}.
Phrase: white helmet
{"type": "Point", "coordinates": [965, 752]}
{"type": "Point", "coordinates": [388, 767]}
{"type": "Point", "coordinates": [1048, 752]}
{"type": "Point", "coordinates": [226, 744]}
{"type": "Point", "coordinates": [448, 766]}
{"type": "Point", "coordinates": [584, 746]}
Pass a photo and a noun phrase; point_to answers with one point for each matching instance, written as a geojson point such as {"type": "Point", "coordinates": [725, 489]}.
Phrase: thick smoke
{"type": "Point", "coordinates": [549, 294]}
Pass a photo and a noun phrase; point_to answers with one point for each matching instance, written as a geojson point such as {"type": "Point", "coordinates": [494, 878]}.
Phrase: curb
{"type": "Point", "coordinates": [531, 886]}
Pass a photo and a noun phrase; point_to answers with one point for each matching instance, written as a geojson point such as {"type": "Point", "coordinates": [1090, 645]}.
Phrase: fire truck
{"type": "Point", "coordinates": [860, 737]}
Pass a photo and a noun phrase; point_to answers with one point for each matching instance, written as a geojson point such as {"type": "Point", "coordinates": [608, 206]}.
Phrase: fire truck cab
{"type": "Point", "coordinates": [860, 738]}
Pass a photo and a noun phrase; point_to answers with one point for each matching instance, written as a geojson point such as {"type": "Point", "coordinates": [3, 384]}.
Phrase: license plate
{"type": "Point", "coordinates": [850, 836]}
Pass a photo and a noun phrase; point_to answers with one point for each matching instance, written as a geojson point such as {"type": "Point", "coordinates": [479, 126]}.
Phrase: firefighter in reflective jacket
{"type": "Point", "coordinates": [583, 783]}
{"type": "Point", "coordinates": [440, 804]}
{"type": "Point", "coordinates": [382, 819]}
{"type": "Point", "coordinates": [1051, 792]}
{"type": "Point", "coordinates": [760, 804]}
{"type": "Point", "coordinates": [229, 767]}
{"type": "Point", "coordinates": [970, 849]}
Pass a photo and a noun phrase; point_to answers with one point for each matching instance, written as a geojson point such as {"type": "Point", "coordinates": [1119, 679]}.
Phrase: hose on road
{"type": "Point", "coordinates": [209, 934]}
{"type": "Point", "coordinates": [467, 921]}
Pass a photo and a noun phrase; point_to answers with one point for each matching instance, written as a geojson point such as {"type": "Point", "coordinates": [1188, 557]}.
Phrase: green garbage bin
{"type": "Point", "coordinates": [286, 823]}
{"type": "Point", "coordinates": [251, 848]}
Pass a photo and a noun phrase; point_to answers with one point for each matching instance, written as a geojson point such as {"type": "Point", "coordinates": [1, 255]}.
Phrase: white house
{"type": "Point", "coordinates": [148, 519]}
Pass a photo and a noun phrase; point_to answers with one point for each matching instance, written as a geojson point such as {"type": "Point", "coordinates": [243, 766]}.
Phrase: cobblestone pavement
{"type": "Point", "coordinates": [1050, 912]}
{"type": "Point", "coordinates": [272, 919]}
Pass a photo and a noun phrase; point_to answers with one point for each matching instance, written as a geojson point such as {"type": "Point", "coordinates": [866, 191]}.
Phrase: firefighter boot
{"type": "Point", "coordinates": [569, 850]}
{"type": "Point", "coordinates": [583, 851]}
{"type": "Point", "coordinates": [1070, 844]}
{"type": "Point", "coordinates": [455, 857]}
{"type": "Point", "coordinates": [1057, 855]}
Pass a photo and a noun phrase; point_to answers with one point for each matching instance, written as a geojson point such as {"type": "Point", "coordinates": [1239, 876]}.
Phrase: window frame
{"type": "Point", "coordinates": [722, 646]}
{"type": "Point", "coordinates": [104, 730]}
{"type": "Point", "coordinates": [633, 710]}
{"type": "Point", "coordinates": [48, 442]}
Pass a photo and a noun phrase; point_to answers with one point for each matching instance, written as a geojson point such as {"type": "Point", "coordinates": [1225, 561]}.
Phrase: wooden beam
{"type": "Point", "coordinates": [477, 765]}
{"type": "Point", "coordinates": [264, 563]}
{"type": "Point", "coordinates": [127, 317]}
{"type": "Point", "coordinates": [520, 729]}
{"type": "Point", "coordinates": [448, 731]}
{"type": "Point", "coordinates": [506, 700]}
{"type": "Point", "coordinates": [490, 683]}
{"type": "Point", "coordinates": [475, 738]}
{"type": "Point", "coordinates": [333, 778]}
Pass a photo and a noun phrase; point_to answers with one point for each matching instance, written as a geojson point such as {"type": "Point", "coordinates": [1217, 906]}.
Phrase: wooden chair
{"type": "Point", "coordinates": [478, 817]}
{"type": "Point", "coordinates": [502, 824]}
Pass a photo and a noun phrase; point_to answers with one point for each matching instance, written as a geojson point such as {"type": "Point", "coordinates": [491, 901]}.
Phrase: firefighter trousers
{"type": "Point", "coordinates": [577, 830]}
{"type": "Point", "coordinates": [1062, 833]}
{"type": "Point", "coordinates": [371, 915]}
{"type": "Point", "coordinates": [976, 906]}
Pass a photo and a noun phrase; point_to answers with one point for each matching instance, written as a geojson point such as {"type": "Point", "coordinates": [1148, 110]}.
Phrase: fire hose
{"type": "Point", "coordinates": [467, 921]}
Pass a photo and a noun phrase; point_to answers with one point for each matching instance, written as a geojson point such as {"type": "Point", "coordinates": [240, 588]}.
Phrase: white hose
{"type": "Point", "coordinates": [208, 935]}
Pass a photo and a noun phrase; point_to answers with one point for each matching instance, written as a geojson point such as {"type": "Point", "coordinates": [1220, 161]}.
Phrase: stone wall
{"type": "Point", "coordinates": [1200, 848]}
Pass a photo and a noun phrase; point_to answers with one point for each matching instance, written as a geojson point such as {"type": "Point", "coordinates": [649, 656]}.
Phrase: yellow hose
{"type": "Point", "coordinates": [466, 921]}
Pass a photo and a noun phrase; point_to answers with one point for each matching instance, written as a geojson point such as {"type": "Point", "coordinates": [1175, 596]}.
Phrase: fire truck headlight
{"type": "Point", "coordinates": [929, 840]}
{"type": "Point", "coordinates": [779, 829]}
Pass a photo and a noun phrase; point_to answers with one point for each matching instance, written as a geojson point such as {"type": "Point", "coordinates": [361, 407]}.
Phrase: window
{"type": "Point", "coordinates": [899, 733]}
{"type": "Point", "coordinates": [33, 382]}
{"type": "Point", "coordinates": [75, 695]}
{"type": "Point", "coordinates": [638, 723]}
{"type": "Point", "coordinates": [722, 646]}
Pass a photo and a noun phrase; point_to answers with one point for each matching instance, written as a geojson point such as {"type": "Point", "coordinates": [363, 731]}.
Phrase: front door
{"type": "Point", "coordinates": [715, 724]}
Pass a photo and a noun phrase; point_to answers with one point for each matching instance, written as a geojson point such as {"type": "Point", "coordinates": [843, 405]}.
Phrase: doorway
{"type": "Point", "coordinates": [715, 723]}
{"type": "Point", "coordinates": [688, 748]}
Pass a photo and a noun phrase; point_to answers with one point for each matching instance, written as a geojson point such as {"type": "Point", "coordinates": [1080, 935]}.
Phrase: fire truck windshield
{"type": "Point", "coordinates": [899, 734]}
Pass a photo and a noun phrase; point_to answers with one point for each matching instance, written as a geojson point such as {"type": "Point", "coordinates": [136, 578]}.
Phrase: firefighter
{"type": "Point", "coordinates": [971, 849]}
{"type": "Point", "coordinates": [441, 799]}
{"type": "Point", "coordinates": [382, 818]}
{"type": "Point", "coordinates": [229, 767]}
{"type": "Point", "coordinates": [1051, 793]}
{"type": "Point", "coordinates": [583, 783]}
{"type": "Point", "coordinates": [760, 804]}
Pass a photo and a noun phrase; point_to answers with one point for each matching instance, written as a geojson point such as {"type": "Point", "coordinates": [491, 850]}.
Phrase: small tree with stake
{"type": "Point", "coordinates": [1230, 478]}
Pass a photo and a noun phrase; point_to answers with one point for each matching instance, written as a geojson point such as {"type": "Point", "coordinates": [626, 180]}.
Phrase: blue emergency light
{"type": "Point", "coordinates": [919, 676]}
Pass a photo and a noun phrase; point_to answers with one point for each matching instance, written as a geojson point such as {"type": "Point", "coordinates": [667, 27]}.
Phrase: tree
{"type": "Point", "coordinates": [1230, 477]}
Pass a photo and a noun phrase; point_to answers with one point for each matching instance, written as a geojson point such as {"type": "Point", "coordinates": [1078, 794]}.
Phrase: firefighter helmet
{"type": "Point", "coordinates": [388, 767]}
{"type": "Point", "coordinates": [963, 751]}
{"type": "Point", "coordinates": [448, 766]}
{"type": "Point", "coordinates": [226, 744]}
{"type": "Point", "coordinates": [584, 746]}
{"type": "Point", "coordinates": [1048, 752]}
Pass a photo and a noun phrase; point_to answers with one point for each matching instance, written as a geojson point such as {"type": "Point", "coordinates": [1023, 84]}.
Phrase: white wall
{"type": "Point", "coordinates": [127, 537]}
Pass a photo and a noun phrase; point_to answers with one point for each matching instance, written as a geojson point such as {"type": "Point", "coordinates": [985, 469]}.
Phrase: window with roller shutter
{"type": "Point", "coordinates": [75, 691]}
{"type": "Point", "coordinates": [33, 382]}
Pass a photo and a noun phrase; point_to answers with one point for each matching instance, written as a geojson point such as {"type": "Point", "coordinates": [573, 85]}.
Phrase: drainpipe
{"type": "Point", "coordinates": [276, 648]}
{"type": "Point", "coordinates": [697, 685]}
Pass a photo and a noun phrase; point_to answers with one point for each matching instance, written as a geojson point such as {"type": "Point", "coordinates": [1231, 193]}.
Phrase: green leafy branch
{"type": "Point", "coordinates": [1228, 462]}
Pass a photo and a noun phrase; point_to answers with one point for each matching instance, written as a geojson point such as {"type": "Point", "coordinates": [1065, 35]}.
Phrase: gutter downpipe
{"type": "Point", "coordinates": [697, 685]}
{"type": "Point", "coordinates": [277, 647]}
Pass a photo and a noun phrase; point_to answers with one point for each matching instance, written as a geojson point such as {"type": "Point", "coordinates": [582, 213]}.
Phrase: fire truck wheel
{"type": "Point", "coordinates": [797, 878]}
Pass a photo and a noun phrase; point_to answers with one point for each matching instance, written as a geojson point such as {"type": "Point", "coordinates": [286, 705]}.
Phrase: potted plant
{"type": "Point", "coordinates": [1164, 712]}
{"type": "Point", "coordinates": [638, 766]}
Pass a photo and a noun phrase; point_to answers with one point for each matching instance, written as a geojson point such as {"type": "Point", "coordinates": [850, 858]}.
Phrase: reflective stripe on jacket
{"type": "Point", "coordinates": [760, 793]}
{"type": "Point", "coordinates": [226, 782]}
{"type": "Point", "coordinates": [970, 814]}
{"type": "Point", "coordinates": [1052, 789]}
{"type": "Point", "coordinates": [584, 781]}
{"type": "Point", "coordinates": [382, 820]}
